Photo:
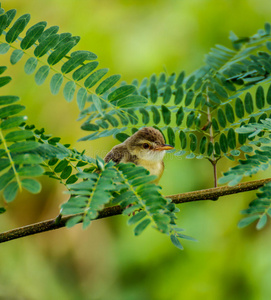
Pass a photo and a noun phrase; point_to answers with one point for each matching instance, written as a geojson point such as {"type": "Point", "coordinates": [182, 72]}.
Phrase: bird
{"type": "Point", "coordinates": [146, 148]}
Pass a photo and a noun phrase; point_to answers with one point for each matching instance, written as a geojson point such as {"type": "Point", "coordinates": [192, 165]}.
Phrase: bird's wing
{"type": "Point", "coordinates": [117, 154]}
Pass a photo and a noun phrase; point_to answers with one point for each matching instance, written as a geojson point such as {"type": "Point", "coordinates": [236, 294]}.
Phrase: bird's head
{"type": "Point", "coordinates": [148, 144]}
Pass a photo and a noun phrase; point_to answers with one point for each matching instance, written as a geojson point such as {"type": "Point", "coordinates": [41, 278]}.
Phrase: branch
{"type": "Point", "coordinates": [207, 194]}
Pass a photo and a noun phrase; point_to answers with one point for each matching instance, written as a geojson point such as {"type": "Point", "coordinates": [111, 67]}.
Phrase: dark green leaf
{"type": "Point", "coordinates": [10, 14]}
{"type": "Point", "coordinates": [18, 26]}
{"type": "Point", "coordinates": [32, 35]}
{"type": "Point", "coordinates": [4, 80]}
{"type": "Point", "coordinates": [217, 148]}
{"type": "Point", "coordinates": [221, 91]}
{"type": "Point", "coordinates": [13, 122]}
{"type": "Point", "coordinates": [89, 127]}
{"type": "Point", "coordinates": [121, 92]}
{"type": "Point", "coordinates": [32, 185]}
{"type": "Point", "coordinates": [61, 166]}
{"type": "Point", "coordinates": [180, 79]}
{"type": "Point", "coordinates": [10, 191]}
{"type": "Point", "coordinates": [137, 217]}
{"type": "Point", "coordinates": [179, 95]}
{"type": "Point", "coordinates": [210, 149]}
{"type": "Point", "coordinates": [2, 69]}
{"type": "Point", "coordinates": [42, 74]}
{"type": "Point", "coordinates": [229, 113]}
{"type": "Point", "coordinates": [46, 44]}
{"type": "Point", "coordinates": [69, 90]}
{"type": "Point", "coordinates": [122, 137]}
{"type": "Point", "coordinates": [55, 83]}
{"type": "Point", "coordinates": [6, 178]}
{"type": "Point", "coordinates": [4, 100]}
{"type": "Point", "coordinates": [223, 143]}
{"type": "Point", "coordinates": [132, 101]}
{"type": "Point", "coordinates": [66, 172]}
{"type": "Point", "coordinates": [221, 118]}
{"type": "Point", "coordinates": [189, 97]}
{"type": "Point", "coordinates": [171, 136]}
{"type": "Point", "coordinates": [249, 103]}
{"type": "Point", "coordinates": [190, 119]}
{"type": "Point", "coordinates": [260, 97]}
{"type": "Point", "coordinates": [2, 210]}
{"type": "Point", "coordinates": [183, 139]}
{"type": "Point", "coordinates": [3, 22]}
{"type": "Point", "coordinates": [90, 55]}
{"type": "Point", "coordinates": [167, 94]}
{"type": "Point", "coordinates": [239, 108]}
{"type": "Point", "coordinates": [107, 84]}
{"type": "Point", "coordinates": [30, 65]}
{"type": "Point", "coordinates": [179, 116]}
{"type": "Point", "coordinates": [212, 96]}
{"type": "Point", "coordinates": [19, 135]}
{"type": "Point", "coordinates": [153, 92]}
{"type": "Point", "coordinates": [247, 221]}
{"type": "Point", "coordinates": [48, 32]}
{"type": "Point", "coordinates": [193, 142]}
{"type": "Point", "coordinates": [166, 114]}
{"type": "Point", "coordinates": [95, 77]}
{"type": "Point", "coordinates": [73, 62]}
{"type": "Point", "coordinates": [10, 110]}
{"type": "Point", "coordinates": [190, 81]}
{"type": "Point", "coordinates": [60, 52]}
{"type": "Point", "coordinates": [156, 115]}
{"type": "Point", "coordinates": [199, 99]}
{"type": "Point", "coordinates": [145, 116]}
{"type": "Point", "coordinates": [141, 226]}
{"type": "Point", "coordinates": [84, 70]}
{"type": "Point", "coordinates": [202, 144]}
{"type": "Point", "coordinates": [231, 139]}
{"type": "Point", "coordinates": [268, 96]}
{"type": "Point", "coordinates": [4, 163]}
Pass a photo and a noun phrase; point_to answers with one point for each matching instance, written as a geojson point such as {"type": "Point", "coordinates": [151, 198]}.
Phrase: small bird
{"type": "Point", "coordinates": [145, 148]}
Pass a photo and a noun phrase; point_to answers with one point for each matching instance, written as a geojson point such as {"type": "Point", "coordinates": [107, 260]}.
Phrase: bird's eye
{"type": "Point", "coordinates": [146, 146]}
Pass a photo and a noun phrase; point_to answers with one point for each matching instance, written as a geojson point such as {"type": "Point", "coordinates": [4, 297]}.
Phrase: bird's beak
{"type": "Point", "coordinates": [164, 147]}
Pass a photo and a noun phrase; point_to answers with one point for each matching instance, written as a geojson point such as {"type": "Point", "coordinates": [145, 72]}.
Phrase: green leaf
{"type": "Point", "coordinates": [107, 84]}
{"type": "Point", "coordinates": [180, 79]}
{"type": "Point", "coordinates": [221, 91]}
{"type": "Point", "coordinates": [13, 122]}
{"type": "Point", "coordinates": [81, 98]}
{"type": "Point", "coordinates": [6, 178]}
{"type": "Point", "coordinates": [229, 113]}
{"type": "Point", "coordinates": [249, 103]}
{"type": "Point", "coordinates": [166, 114]}
{"type": "Point", "coordinates": [61, 166]}
{"type": "Point", "coordinates": [183, 139]}
{"type": "Point", "coordinates": [11, 190]}
{"type": "Point", "coordinates": [231, 139]}
{"type": "Point", "coordinates": [262, 222]}
{"type": "Point", "coordinates": [73, 62]}
{"type": "Point", "coordinates": [42, 74]}
{"type": "Point", "coordinates": [73, 221]}
{"type": "Point", "coordinates": [121, 92]}
{"type": "Point", "coordinates": [223, 143]}
{"type": "Point", "coordinates": [60, 52]}
{"type": "Point", "coordinates": [176, 242]}
{"type": "Point", "coordinates": [132, 101]}
{"type": "Point", "coordinates": [97, 102]}
{"type": "Point", "coordinates": [221, 118]}
{"type": "Point", "coordinates": [153, 92]}
{"type": "Point", "coordinates": [47, 33]}
{"type": "Point", "coordinates": [66, 172]}
{"type": "Point", "coordinates": [217, 148]}
{"type": "Point", "coordinates": [260, 97]}
{"type": "Point", "coordinates": [202, 144]}
{"type": "Point", "coordinates": [122, 137]}
{"type": "Point", "coordinates": [190, 81]}
{"type": "Point", "coordinates": [179, 116]}
{"type": "Point", "coordinates": [156, 115]}
{"type": "Point", "coordinates": [19, 135]}
{"type": "Point", "coordinates": [46, 44]}
{"type": "Point", "coordinates": [239, 108]}
{"type": "Point", "coordinates": [2, 210]}
{"type": "Point", "coordinates": [190, 119]}
{"type": "Point", "coordinates": [167, 94]}
{"type": "Point", "coordinates": [95, 77]}
{"type": "Point", "coordinates": [4, 163]}
{"type": "Point", "coordinates": [23, 146]}
{"type": "Point", "coordinates": [89, 127]}
{"type": "Point", "coordinates": [141, 226]}
{"type": "Point", "coordinates": [30, 65]}
{"type": "Point", "coordinates": [171, 136]}
{"type": "Point", "coordinates": [210, 149]}
{"type": "Point", "coordinates": [3, 22]}
{"type": "Point", "coordinates": [83, 71]}
{"type": "Point", "coordinates": [145, 116]}
{"type": "Point", "coordinates": [193, 142]}
{"type": "Point", "coordinates": [18, 26]}
{"type": "Point", "coordinates": [4, 48]}
{"type": "Point", "coordinates": [212, 96]}
{"type": "Point", "coordinates": [137, 217]}
{"type": "Point", "coordinates": [32, 35]}
{"type": "Point", "coordinates": [245, 148]}
{"type": "Point", "coordinates": [268, 96]}
{"type": "Point", "coordinates": [10, 110]}
{"type": "Point", "coordinates": [69, 90]}
{"type": "Point", "coordinates": [2, 69]}
{"type": "Point", "coordinates": [4, 80]}
{"type": "Point", "coordinates": [189, 97]}
{"type": "Point", "coordinates": [4, 100]}
{"type": "Point", "coordinates": [35, 170]}
{"type": "Point", "coordinates": [179, 96]}
{"type": "Point", "coordinates": [27, 159]}
{"type": "Point", "coordinates": [247, 221]}
{"type": "Point", "coordinates": [10, 14]}
{"type": "Point", "coordinates": [90, 55]}
{"type": "Point", "coordinates": [199, 99]}
{"type": "Point", "coordinates": [31, 185]}
{"type": "Point", "coordinates": [55, 83]}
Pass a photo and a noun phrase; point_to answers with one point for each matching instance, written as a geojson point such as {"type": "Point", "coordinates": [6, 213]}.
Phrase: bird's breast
{"type": "Point", "coordinates": [154, 167]}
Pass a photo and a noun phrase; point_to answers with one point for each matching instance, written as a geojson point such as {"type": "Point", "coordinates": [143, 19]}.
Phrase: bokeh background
{"type": "Point", "coordinates": [134, 39]}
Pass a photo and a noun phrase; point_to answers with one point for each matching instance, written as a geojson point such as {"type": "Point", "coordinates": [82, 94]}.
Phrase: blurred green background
{"type": "Point", "coordinates": [134, 39]}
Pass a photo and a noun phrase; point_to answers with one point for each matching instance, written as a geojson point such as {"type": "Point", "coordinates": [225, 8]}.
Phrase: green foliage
{"type": "Point", "coordinates": [212, 113]}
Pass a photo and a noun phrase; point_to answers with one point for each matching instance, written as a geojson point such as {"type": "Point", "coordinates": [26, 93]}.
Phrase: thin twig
{"type": "Point", "coordinates": [207, 194]}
